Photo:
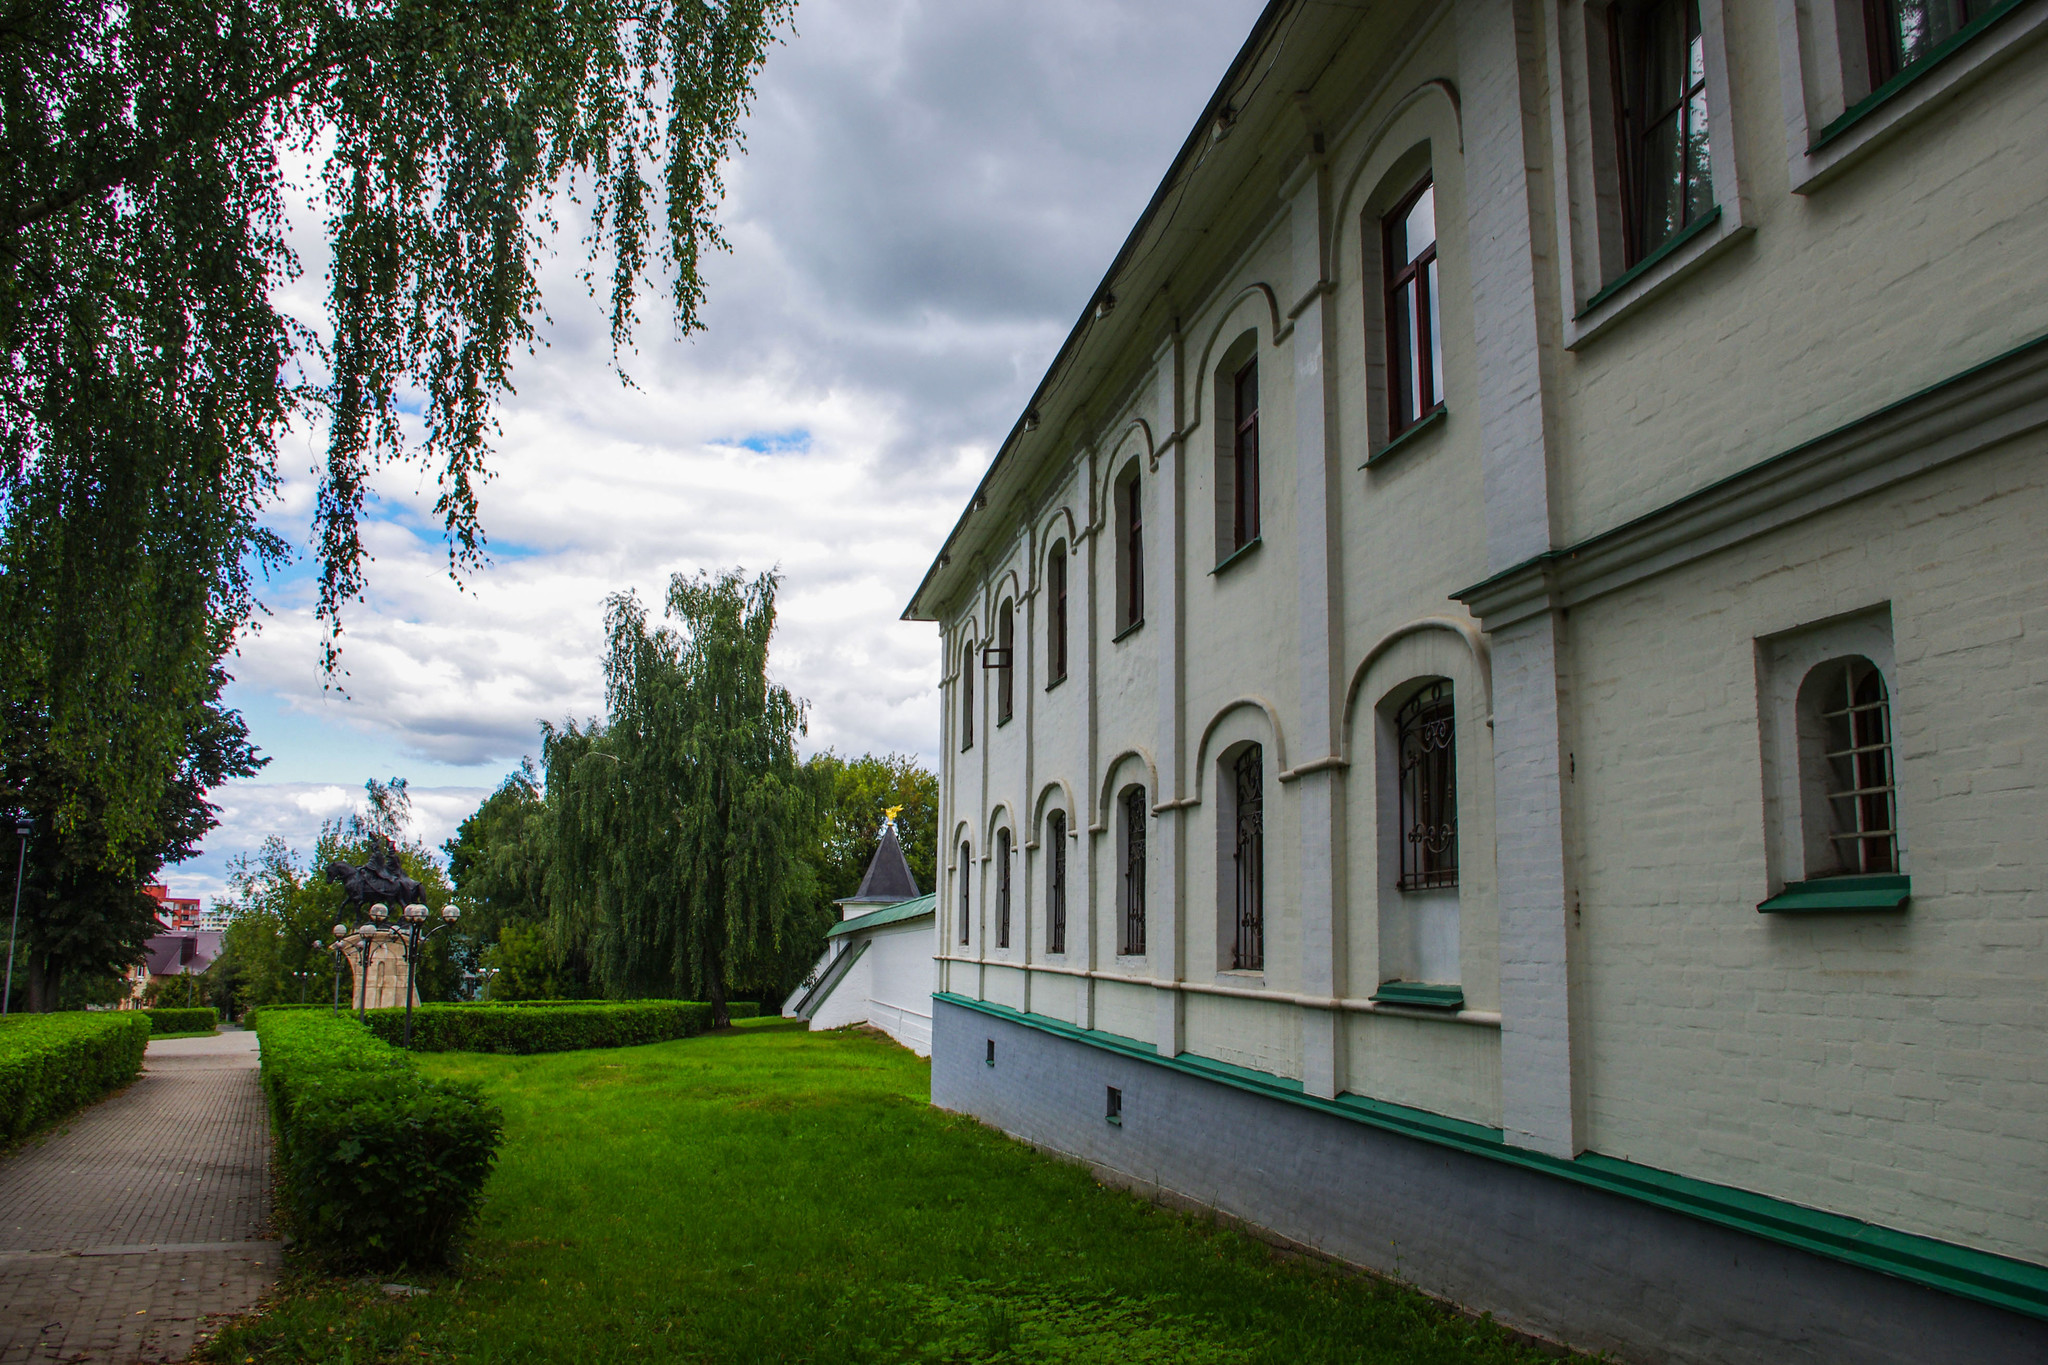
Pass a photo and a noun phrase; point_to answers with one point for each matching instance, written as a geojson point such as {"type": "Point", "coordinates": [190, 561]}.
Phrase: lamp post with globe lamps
{"type": "Point", "coordinates": [339, 955]}
{"type": "Point", "coordinates": [24, 825]}
{"type": "Point", "coordinates": [415, 934]}
{"type": "Point", "coordinates": [378, 913]}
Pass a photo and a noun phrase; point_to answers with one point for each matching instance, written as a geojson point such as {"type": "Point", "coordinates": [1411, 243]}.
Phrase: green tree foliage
{"type": "Point", "coordinates": [857, 794]}
{"type": "Point", "coordinates": [150, 151]}
{"type": "Point", "coordinates": [683, 822]}
{"type": "Point", "coordinates": [280, 907]}
{"type": "Point", "coordinates": [498, 859]}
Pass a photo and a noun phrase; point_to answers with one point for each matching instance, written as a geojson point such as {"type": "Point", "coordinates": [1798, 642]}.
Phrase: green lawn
{"type": "Point", "coordinates": [771, 1194]}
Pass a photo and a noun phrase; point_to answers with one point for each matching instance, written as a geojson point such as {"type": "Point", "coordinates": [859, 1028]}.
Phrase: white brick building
{"type": "Point", "coordinates": [1540, 483]}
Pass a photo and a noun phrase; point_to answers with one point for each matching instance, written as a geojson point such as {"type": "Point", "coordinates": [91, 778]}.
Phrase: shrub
{"type": "Point", "coordinates": [53, 1064]}
{"type": "Point", "coordinates": [202, 1020]}
{"type": "Point", "coordinates": [512, 1028]}
{"type": "Point", "coordinates": [376, 1162]}
{"type": "Point", "coordinates": [255, 1012]}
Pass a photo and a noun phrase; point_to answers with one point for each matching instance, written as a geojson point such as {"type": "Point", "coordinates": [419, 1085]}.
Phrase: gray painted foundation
{"type": "Point", "coordinates": [1575, 1265]}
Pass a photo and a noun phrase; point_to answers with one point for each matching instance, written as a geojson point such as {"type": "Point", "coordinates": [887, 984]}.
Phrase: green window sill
{"type": "Point", "coordinates": [1415, 993]}
{"type": "Point", "coordinates": [1429, 421]}
{"type": "Point", "coordinates": [1235, 555]}
{"type": "Point", "coordinates": [1131, 629]}
{"type": "Point", "coordinates": [1824, 894]}
{"type": "Point", "coordinates": [1055, 682]}
{"type": "Point", "coordinates": [1649, 262]}
{"type": "Point", "coordinates": [1885, 93]}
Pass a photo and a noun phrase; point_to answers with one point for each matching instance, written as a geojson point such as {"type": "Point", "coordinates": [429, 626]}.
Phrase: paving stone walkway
{"type": "Point", "coordinates": [123, 1232]}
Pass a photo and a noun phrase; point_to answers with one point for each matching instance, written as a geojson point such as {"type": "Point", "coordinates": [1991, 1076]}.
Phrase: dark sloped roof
{"type": "Point", "coordinates": [888, 879]}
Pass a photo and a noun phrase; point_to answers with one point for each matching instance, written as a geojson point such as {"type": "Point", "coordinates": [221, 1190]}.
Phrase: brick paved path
{"type": "Point", "coordinates": [145, 1215]}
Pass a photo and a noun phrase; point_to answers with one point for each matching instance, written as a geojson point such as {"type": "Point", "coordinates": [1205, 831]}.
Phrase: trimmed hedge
{"type": "Point", "coordinates": [376, 1162]}
{"type": "Point", "coordinates": [202, 1020]}
{"type": "Point", "coordinates": [53, 1064]}
{"type": "Point", "coordinates": [568, 1028]}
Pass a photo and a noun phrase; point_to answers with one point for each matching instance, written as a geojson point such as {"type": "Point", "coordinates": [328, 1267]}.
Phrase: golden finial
{"type": "Point", "coordinates": [889, 815]}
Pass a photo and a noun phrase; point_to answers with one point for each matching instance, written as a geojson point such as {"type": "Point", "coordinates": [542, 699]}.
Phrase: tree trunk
{"type": "Point", "coordinates": [42, 985]}
{"type": "Point", "coordinates": [719, 1017]}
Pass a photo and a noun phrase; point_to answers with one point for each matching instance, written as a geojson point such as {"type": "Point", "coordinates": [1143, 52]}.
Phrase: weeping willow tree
{"type": "Point", "coordinates": [153, 152]}
{"type": "Point", "coordinates": [684, 822]}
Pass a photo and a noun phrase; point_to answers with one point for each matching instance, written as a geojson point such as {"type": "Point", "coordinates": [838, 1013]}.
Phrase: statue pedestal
{"type": "Point", "coordinates": [385, 980]}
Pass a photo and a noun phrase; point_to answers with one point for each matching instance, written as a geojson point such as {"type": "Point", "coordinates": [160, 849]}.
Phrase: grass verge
{"type": "Point", "coordinates": [769, 1194]}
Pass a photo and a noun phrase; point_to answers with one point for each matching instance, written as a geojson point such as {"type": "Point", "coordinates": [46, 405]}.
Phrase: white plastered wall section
{"type": "Point", "coordinates": [1886, 1066]}
{"type": "Point", "coordinates": [1895, 274]}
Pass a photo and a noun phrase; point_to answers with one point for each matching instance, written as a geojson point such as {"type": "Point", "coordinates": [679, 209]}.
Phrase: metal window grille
{"type": "Point", "coordinates": [1427, 742]}
{"type": "Point", "coordinates": [1134, 871]}
{"type": "Point", "coordinates": [1660, 100]}
{"type": "Point", "coordinates": [1056, 882]}
{"type": "Point", "coordinates": [1002, 888]}
{"type": "Point", "coordinates": [1861, 796]}
{"type": "Point", "coordinates": [1001, 660]}
{"type": "Point", "coordinates": [1898, 33]}
{"type": "Point", "coordinates": [1415, 357]}
{"type": "Point", "coordinates": [1245, 474]}
{"type": "Point", "coordinates": [1249, 953]}
{"type": "Point", "coordinates": [967, 701]}
{"type": "Point", "coordinates": [1056, 575]}
{"type": "Point", "coordinates": [966, 903]}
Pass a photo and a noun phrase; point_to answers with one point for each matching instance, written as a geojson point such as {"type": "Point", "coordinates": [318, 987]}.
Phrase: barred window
{"type": "Point", "coordinates": [1427, 745]}
{"type": "Point", "coordinates": [1855, 766]}
{"type": "Point", "coordinates": [1134, 872]}
{"type": "Point", "coordinates": [1130, 552]}
{"type": "Point", "coordinates": [1056, 882]}
{"type": "Point", "coordinates": [1249, 951]}
{"type": "Point", "coordinates": [966, 904]}
{"type": "Point", "coordinates": [967, 700]}
{"type": "Point", "coordinates": [1002, 888]}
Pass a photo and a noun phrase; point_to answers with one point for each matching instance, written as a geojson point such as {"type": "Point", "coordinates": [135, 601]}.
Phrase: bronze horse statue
{"type": "Point", "coordinates": [380, 878]}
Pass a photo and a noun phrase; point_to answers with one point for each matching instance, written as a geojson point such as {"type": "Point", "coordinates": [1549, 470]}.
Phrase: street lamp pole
{"type": "Point", "coordinates": [377, 913]}
{"type": "Point", "coordinates": [337, 959]}
{"type": "Point", "coordinates": [24, 825]}
{"type": "Point", "coordinates": [415, 919]}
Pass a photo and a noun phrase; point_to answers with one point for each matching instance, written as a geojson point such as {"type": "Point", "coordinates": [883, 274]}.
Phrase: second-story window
{"type": "Point", "coordinates": [1133, 938]}
{"type": "Point", "coordinates": [1002, 888]}
{"type": "Point", "coordinates": [1245, 452]}
{"type": "Point", "coordinates": [1660, 102]}
{"type": "Point", "coordinates": [1056, 613]}
{"type": "Point", "coordinates": [1899, 33]}
{"type": "Point", "coordinates": [1056, 882]}
{"type": "Point", "coordinates": [1427, 743]}
{"type": "Point", "coordinates": [967, 699]}
{"type": "Point", "coordinates": [1415, 354]}
{"type": "Point", "coordinates": [1002, 659]}
{"type": "Point", "coordinates": [1130, 552]}
{"type": "Point", "coordinates": [966, 901]}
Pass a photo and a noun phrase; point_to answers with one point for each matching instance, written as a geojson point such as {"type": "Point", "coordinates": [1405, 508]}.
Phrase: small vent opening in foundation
{"type": "Point", "coordinates": [991, 1052]}
{"type": "Point", "coordinates": [1114, 1107]}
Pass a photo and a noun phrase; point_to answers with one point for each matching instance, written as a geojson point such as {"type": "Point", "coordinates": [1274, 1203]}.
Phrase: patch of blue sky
{"type": "Point", "coordinates": [795, 441]}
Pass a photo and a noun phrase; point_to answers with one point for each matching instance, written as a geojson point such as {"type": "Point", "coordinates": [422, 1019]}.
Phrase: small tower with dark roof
{"type": "Point", "coordinates": [888, 880]}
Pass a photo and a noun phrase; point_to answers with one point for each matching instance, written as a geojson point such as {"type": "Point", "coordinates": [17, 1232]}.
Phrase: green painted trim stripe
{"type": "Point", "coordinates": [1636, 271]}
{"type": "Point", "coordinates": [1885, 93]}
{"type": "Point", "coordinates": [1415, 993]}
{"type": "Point", "coordinates": [1840, 893]}
{"type": "Point", "coordinates": [2001, 1281]}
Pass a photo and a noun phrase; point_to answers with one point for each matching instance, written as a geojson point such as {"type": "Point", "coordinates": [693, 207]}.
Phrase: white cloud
{"type": "Point", "coordinates": [930, 193]}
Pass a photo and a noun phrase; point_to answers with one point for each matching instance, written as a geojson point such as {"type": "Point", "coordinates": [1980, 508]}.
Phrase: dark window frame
{"type": "Point", "coordinates": [1131, 553]}
{"type": "Point", "coordinates": [1056, 882]}
{"type": "Point", "coordinates": [1629, 59]}
{"type": "Point", "coordinates": [1248, 858]}
{"type": "Point", "coordinates": [1005, 655]}
{"type": "Point", "coordinates": [1056, 613]}
{"type": "Point", "coordinates": [1003, 843]}
{"type": "Point", "coordinates": [966, 890]}
{"type": "Point", "coordinates": [1415, 283]}
{"type": "Point", "coordinates": [1133, 930]}
{"type": "Point", "coordinates": [967, 699]}
{"type": "Point", "coordinates": [1426, 749]}
{"type": "Point", "coordinates": [1884, 43]}
{"type": "Point", "coordinates": [1244, 449]}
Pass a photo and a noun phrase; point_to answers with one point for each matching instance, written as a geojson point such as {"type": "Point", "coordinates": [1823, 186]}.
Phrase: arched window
{"type": "Point", "coordinates": [1056, 613]}
{"type": "Point", "coordinates": [1002, 888]}
{"type": "Point", "coordinates": [1846, 768]}
{"type": "Point", "coordinates": [1130, 552]}
{"type": "Point", "coordinates": [1415, 350]}
{"type": "Point", "coordinates": [1133, 891]}
{"type": "Point", "coordinates": [967, 699]}
{"type": "Point", "coordinates": [1002, 658]}
{"type": "Point", "coordinates": [1248, 859]}
{"type": "Point", "coordinates": [1056, 882]}
{"type": "Point", "coordinates": [1426, 742]}
{"type": "Point", "coordinates": [966, 902]}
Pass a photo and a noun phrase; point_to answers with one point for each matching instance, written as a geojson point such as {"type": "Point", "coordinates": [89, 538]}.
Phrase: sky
{"type": "Point", "coordinates": [929, 194]}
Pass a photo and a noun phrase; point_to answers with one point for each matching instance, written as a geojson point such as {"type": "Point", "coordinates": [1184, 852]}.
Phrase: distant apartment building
{"type": "Point", "coordinates": [1496, 698]}
{"type": "Point", "coordinates": [174, 912]}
